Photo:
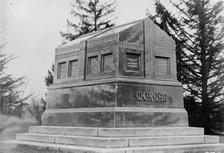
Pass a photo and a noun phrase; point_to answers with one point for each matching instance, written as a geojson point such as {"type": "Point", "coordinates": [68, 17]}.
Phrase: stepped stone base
{"type": "Point", "coordinates": [36, 147]}
{"type": "Point", "coordinates": [62, 139]}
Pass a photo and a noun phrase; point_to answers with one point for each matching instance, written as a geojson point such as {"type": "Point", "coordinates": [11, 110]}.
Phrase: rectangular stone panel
{"type": "Point", "coordinates": [107, 62]}
{"type": "Point", "coordinates": [162, 65]}
{"type": "Point", "coordinates": [92, 64]}
{"type": "Point", "coordinates": [62, 70]}
{"type": "Point", "coordinates": [73, 68]}
{"type": "Point", "coordinates": [132, 61]}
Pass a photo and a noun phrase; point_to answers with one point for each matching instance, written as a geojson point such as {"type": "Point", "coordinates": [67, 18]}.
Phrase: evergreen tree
{"type": "Point", "coordinates": [93, 15]}
{"type": "Point", "coordinates": [199, 37]}
{"type": "Point", "coordinates": [11, 90]}
{"type": "Point", "coordinates": [50, 76]}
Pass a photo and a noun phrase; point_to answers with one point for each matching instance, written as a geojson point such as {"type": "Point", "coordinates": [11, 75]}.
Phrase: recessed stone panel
{"type": "Point", "coordinates": [73, 69]}
{"type": "Point", "coordinates": [93, 63]}
{"type": "Point", "coordinates": [107, 62]}
{"type": "Point", "coordinates": [62, 70]}
{"type": "Point", "coordinates": [162, 65]}
{"type": "Point", "coordinates": [132, 62]}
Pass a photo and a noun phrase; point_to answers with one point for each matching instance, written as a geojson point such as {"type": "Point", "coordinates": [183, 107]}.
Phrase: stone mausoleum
{"type": "Point", "coordinates": [116, 91]}
{"type": "Point", "coordinates": [124, 76]}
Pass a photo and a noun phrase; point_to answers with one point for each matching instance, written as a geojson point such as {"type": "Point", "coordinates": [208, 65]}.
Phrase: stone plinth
{"type": "Point", "coordinates": [117, 103]}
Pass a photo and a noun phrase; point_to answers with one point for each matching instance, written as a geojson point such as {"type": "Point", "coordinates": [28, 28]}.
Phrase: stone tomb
{"type": "Point", "coordinates": [124, 76]}
{"type": "Point", "coordinates": [115, 91]}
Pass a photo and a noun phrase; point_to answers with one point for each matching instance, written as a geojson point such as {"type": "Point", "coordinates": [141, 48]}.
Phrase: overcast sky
{"type": "Point", "coordinates": [31, 30]}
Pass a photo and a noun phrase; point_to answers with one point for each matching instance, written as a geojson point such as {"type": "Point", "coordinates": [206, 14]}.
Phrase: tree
{"type": "Point", "coordinates": [12, 99]}
{"type": "Point", "coordinates": [93, 15]}
{"type": "Point", "coordinates": [36, 109]}
{"type": "Point", "coordinates": [50, 76]}
{"type": "Point", "coordinates": [199, 45]}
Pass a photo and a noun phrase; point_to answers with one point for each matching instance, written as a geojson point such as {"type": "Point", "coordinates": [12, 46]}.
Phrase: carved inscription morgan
{"type": "Point", "coordinates": [150, 96]}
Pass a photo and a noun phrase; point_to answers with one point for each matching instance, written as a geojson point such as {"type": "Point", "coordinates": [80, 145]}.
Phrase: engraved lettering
{"type": "Point", "coordinates": [156, 97]}
{"type": "Point", "coordinates": [132, 61]}
{"type": "Point", "coordinates": [144, 96]}
{"type": "Point", "coordinates": [150, 96]}
{"type": "Point", "coordinates": [139, 96]}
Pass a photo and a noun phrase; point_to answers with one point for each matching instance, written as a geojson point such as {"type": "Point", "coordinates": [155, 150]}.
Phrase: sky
{"type": "Point", "coordinates": [30, 29]}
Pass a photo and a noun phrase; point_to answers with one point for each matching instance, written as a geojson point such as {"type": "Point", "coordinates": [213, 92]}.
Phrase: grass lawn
{"type": "Point", "coordinates": [9, 126]}
{"type": "Point", "coordinates": [26, 149]}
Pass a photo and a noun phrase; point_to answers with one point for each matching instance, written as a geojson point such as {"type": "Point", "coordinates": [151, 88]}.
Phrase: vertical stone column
{"type": "Point", "coordinates": [148, 48]}
{"type": "Point", "coordinates": [82, 60]}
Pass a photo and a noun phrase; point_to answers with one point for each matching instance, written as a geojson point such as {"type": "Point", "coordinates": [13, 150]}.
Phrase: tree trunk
{"type": "Point", "coordinates": [204, 72]}
{"type": "Point", "coordinates": [95, 19]}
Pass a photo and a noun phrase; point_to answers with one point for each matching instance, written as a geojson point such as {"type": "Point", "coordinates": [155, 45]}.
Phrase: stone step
{"type": "Point", "coordinates": [110, 142]}
{"type": "Point", "coordinates": [23, 146]}
{"type": "Point", "coordinates": [117, 132]}
{"type": "Point", "coordinates": [74, 140]}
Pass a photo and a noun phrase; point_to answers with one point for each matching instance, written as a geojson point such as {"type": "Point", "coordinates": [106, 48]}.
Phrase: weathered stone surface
{"type": "Point", "coordinates": [93, 141]}
{"type": "Point", "coordinates": [140, 132]}
{"type": "Point", "coordinates": [211, 139]}
{"type": "Point", "coordinates": [118, 142]}
{"type": "Point", "coordinates": [62, 130]}
{"type": "Point", "coordinates": [164, 141]}
{"type": "Point", "coordinates": [117, 94]}
{"type": "Point", "coordinates": [35, 147]}
{"type": "Point", "coordinates": [48, 139]}
{"type": "Point", "coordinates": [117, 117]}
{"type": "Point", "coordinates": [221, 138]}
{"type": "Point", "coordinates": [35, 137]}
{"type": "Point", "coordinates": [117, 132]}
